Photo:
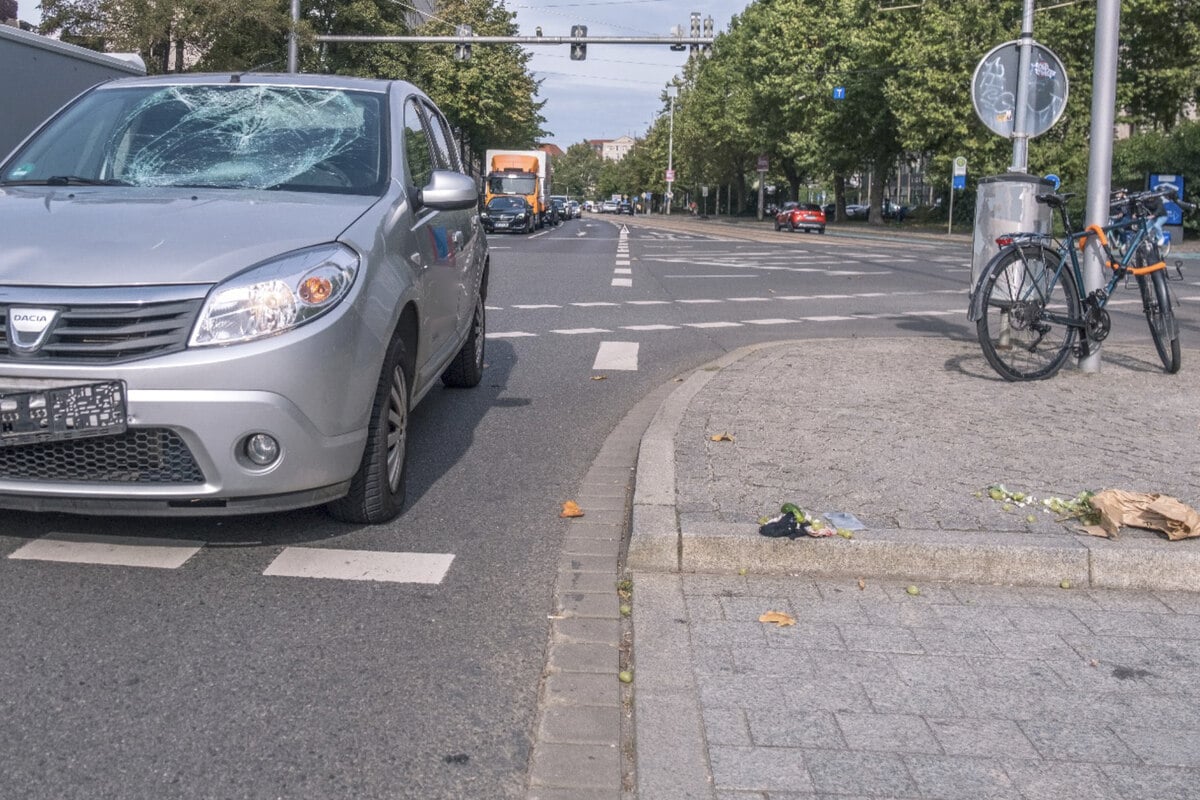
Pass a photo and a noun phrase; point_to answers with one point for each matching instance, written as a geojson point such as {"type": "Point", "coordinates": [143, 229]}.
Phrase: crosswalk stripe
{"type": "Point", "coordinates": [121, 551]}
{"type": "Point", "coordinates": [622, 282]}
{"type": "Point", "coordinates": [360, 565]}
{"type": "Point", "coordinates": [622, 271]}
{"type": "Point", "coordinates": [617, 356]}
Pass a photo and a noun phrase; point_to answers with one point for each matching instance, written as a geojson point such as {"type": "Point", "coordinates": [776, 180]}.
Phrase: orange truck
{"type": "Point", "coordinates": [524, 173]}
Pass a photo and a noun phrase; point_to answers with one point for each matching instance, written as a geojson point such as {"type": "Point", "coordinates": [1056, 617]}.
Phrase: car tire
{"type": "Point", "coordinates": [466, 370]}
{"type": "Point", "coordinates": [821, 230]}
{"type": "Point", "coordinates": [377, 489]}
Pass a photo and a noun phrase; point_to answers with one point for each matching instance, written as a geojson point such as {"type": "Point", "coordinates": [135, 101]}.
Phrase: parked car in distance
{"type": "Point", "coordinates": [625, 207]}
{"type": "Point", "coordinates": [609, 207]}
{"type": "Point", "coordinates": [223, 294]}
{"type": "Point", "coordinates": [857, 211]}
{"type": "Point", "coordinates": [510, 213]}
{"type": "Point", "coordinates": [559, 210]}
{"type": "Point", "coordinates": [575, 208]}
{"type": "Point", "coordinates": [800, 217]}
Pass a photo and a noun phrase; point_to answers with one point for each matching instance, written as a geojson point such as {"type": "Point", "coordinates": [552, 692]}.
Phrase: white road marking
{"type": "Point", "coordinates": [574, 331]}
{"type": "Point", "coordinates": [649, 327]}
{"type": "Point", "coordinates": [648, 302]}
{"type": "Point", "coordinates": [749, 299]}
{"type": "Point", "coordinates": [628, 282]}
{"type": "Point", "coordinates": [360, 565]}
{"type": "Point", "coordinates": [768, 321]}
{"type": "Point", "coordinates": [710, 276]}
{"type": "Point", "coordinates": [622, 271]}
{"type": "Point", "coordinates": [617, 356]}
{"type": "Point", "coordinates": [538, 305]}
{"type": "Point", "coordinates": [594, 305]}
{"type": "Point", "coordinates": [507, 334]}
{"type": "Point", "coordinates": [698, 301]}
{"type": "Point", "coordinates": [623, 262]}
{"type": "Point", "coordinates": [825, 319]}
{"type": "Point", "coordinates": [121, 551]}
{"type": "Point", "coordinates": [713, 324]}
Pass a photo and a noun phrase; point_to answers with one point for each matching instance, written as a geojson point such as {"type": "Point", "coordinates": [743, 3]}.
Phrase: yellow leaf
{"type": "Point", "coordinates": [571, 509]}
{"type": "Point", "coordinates": [779, 618]}
{"type": "Point", "coordinates": [862, 584]}
{"type": "Point", "coordinates": [599, 377]}
{"type": "Point", "coordinates": [722, 437]}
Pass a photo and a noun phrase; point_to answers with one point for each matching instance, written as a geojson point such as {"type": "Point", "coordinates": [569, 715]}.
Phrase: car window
{"type": "Point", "coordinates": [228, 136]}
{"type": "Point", "coordinates": [418, 150]}
{"type": "Point", "coordinates": [443, 143]}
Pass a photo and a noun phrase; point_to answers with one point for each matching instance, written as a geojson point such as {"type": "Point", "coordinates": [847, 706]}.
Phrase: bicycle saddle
{"type": "Point", "coordinates": [1054, 200]}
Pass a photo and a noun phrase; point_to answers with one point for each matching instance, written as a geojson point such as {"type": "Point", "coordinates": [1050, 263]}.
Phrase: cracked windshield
{"type": "Point", "coordinates": [252, 137]}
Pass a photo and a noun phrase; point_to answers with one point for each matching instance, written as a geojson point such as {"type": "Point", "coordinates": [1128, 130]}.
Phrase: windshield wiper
{"type": "Point", "coordinates": [65, 180]}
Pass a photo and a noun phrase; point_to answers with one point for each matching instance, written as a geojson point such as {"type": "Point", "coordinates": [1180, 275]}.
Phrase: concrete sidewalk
{"type": "Point", "coordinates": [971, 688]}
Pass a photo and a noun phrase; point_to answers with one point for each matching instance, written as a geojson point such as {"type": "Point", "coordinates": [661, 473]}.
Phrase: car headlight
{"type": "Point", "coordinates": [520, 216]}
{"type": "Point", "coordinates": [276, 295]}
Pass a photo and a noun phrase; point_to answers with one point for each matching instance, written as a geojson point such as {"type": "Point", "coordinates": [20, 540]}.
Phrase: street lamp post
{"type": "Point", "coordinates": [672, 91]}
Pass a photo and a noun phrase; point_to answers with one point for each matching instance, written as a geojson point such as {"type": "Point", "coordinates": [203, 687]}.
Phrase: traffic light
{"type": "Point", "coordinates": [462, 50]}
{"type": "Point", "coordinates": [578, 49]}
{"type": "Point", "coordinates": [695, 48]}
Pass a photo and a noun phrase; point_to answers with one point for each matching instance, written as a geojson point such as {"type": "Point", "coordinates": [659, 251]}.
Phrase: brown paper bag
{"type": "Point", "coordinates": [1157, 512]}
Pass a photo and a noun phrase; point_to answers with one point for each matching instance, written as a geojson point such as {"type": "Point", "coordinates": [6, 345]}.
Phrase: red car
{"type": "Point", "coordinates": [800, 216]}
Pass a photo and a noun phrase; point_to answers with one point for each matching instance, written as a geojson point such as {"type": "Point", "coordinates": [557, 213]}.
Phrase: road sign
{"type": "Point", "coordinates": [704, 191]}
{"type": "Point", "coordinates": [960, 165]}
{"type": "Point", "coordinates": [839, 93]}
{"type": "Point", "coordinates": [960, 182]}
{"type": "Point", "coordinates": [762, 163]}
{"type": "Point", "coordinates": [670, 175]}
{"type": "Point", "coordinates": [994, 89]}
{"type": "Point", "coordinates": [1174, 212]}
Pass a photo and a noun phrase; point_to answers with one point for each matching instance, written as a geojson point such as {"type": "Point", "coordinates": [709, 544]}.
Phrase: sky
{"type": "Point", "coordinates": [613, 92]}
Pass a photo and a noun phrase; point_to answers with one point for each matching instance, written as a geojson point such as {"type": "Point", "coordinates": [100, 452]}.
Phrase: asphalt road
{"type": "Point", "coordinates": [213, 680]}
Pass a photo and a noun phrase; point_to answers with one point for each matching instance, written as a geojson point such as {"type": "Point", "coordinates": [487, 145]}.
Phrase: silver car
{"type": "Point", "coordinates": [223, 294]}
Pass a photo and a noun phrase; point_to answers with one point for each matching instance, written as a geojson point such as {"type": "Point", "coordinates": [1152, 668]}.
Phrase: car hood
{"type": "Point", "coordinates": [101, 236]}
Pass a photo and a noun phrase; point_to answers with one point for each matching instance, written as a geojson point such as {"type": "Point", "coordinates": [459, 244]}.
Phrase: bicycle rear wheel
{"type": "Point", "coordinates": [1164, 328]}
{"type": "Point", "coordinates": [1030, 313]}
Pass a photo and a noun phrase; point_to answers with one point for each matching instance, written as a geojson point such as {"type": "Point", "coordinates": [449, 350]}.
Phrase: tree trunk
{"type": "Point", "coordinates": [839, 197]}
{"type": "Point", "coordinates": [876, 194]}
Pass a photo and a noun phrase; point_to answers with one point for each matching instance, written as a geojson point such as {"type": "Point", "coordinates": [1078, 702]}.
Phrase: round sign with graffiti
{"type": "Point", "coordinates": [994, 89]}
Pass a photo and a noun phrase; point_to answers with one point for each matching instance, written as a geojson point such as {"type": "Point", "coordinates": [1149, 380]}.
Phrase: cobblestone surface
{"type": "Point", "coordinates": [866, 427]}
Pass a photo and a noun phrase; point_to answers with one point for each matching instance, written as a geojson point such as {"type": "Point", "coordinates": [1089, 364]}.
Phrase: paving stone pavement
{"type": "Point", "coordinates": [992, 681]}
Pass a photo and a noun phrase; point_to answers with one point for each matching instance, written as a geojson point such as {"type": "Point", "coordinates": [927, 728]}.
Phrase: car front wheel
{"type": "Point", "coordinates": [377, 490]}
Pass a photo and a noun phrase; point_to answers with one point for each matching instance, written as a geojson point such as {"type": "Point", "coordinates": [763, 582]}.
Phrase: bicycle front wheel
{"type": "Point", "coordinates": [1030, 313]}
{"type": "Point", "coordinates": [1164, 328]}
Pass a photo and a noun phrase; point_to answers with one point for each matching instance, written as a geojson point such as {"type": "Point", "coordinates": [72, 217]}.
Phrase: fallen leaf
{"type": "Point", "coordinates": [779, 618]}
{"type": "Point", "coordinates": [722, 437]}
{"type": "Point", "coordinates": [571, 509]}
{"type": "Point", "coordinates": [913, 590]}
{"type": "Point", "coordinates": [862, 585]}
{"type": "Point", "coordinates": [599, 377]}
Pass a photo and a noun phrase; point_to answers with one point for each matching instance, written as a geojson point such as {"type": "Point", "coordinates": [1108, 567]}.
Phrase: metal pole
{"type": "Point", "coordinates": [950, 216]}
{"type": "Point", "coordinates": [1020, 159]}
{"type": "Point", "coordinates": [293, 44]}
{"type": "Point", "coordinates": [670, 150]}
{"type": "Point", "coordinates": [1104, 103]}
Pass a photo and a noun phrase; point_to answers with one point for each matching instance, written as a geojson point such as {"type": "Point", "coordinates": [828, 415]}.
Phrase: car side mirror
{"type": "Point", "coordinates": [449, 191]}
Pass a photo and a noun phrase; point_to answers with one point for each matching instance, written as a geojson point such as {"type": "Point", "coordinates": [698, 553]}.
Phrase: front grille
{"type": "Point", "coordinates": [109, 333]}
{"type": "Point", "coordinates": [144, 455]}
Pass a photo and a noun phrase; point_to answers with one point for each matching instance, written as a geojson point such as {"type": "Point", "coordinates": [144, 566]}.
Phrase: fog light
{"type": "Point", "coordinates": [262, 449]}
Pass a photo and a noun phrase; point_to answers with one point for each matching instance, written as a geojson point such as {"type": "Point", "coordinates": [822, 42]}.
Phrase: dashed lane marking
{"type": "Point", "coordinates": [507, 334]}
{"type": "Point", "coordinates": [360, 565]}
{"type": "Point", "coordinates": [594, 305]}
{"type": "Point", "coordinates": [617, 356]}
{"type": "Point", "coordinates": [649, 327]}
{"type": "Point", "coordinates": [537, 305]}
{"type": "Point", "coordinates": [713, 324]}
{"type": "Point", "coordinates": [120, 551]}
{"type": "Point", "coordinates": [576, 331]}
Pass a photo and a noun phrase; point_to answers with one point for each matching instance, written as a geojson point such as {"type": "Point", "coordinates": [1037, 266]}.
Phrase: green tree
{"type": "Point", "coordinates": [492, 97]}
{"type": "Point", "coordinates": [577, 171]}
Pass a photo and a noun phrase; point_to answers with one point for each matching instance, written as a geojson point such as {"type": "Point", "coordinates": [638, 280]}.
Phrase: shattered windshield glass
{"type": "Point", "coordinates": [225, 136]}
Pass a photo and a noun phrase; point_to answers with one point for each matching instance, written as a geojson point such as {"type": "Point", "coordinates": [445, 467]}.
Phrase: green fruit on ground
{"type": "Point", "coordinates": [625, 676]}
{"type": "Point", "coordinates": [913, 590]}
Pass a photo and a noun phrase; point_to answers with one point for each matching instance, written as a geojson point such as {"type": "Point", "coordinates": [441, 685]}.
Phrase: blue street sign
{"type": "Point", "coordinates": [960, 182]}
{"type": "Point", "coordinates": [839, 93]}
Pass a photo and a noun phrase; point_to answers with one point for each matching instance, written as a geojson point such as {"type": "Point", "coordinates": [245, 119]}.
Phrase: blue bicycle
{"type": "Point", "coordinates": [1029, 306]}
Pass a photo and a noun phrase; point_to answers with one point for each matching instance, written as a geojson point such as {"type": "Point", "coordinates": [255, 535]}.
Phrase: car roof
{"type": "Point", "coordinates": [300, 79]}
